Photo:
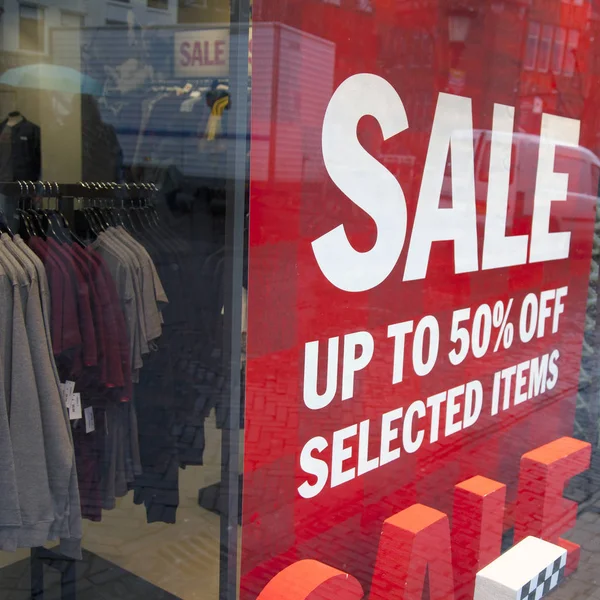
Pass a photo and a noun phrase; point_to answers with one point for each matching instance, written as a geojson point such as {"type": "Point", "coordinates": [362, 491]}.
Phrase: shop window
{"type": "Point", "coordinates": [543, 62]}
{"type": "Point", "coordinates": [531, 48]}
{"type": "Point", "coordinates": [31, 28]}
{"type": "Point", "coordinates": [558, 50]}
{"type": "Point", "coordinates": [73, 20]}
{"type": "Point", "coordinates": [571, 53]}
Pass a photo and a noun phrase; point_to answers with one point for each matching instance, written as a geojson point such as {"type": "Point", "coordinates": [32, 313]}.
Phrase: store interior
{"type": "Point", "coordinates": [139, 157]}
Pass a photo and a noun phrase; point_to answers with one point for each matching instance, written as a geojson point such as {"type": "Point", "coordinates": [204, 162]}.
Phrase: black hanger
{"type": "Point", "coordinates": [35, 219]}
{"type": "Point", "coordinates": [4, 226]}
{"type": "Point", "coordinates": [101, 217]}
{"type": "Point", "coordinates": [92, 220]}
{"type": "Point", "coordinates": [52, 218]}
{"type": "Point", "coordinates": [134, 212]}
{"type": "Point", "coordinates": [25, 227]}
{"type": "Point", "coordinates": [26, 230]}
{"type": "Point", "coordinates": [116, 213]}
{"type": "Point", "coordinates": [63, 223]}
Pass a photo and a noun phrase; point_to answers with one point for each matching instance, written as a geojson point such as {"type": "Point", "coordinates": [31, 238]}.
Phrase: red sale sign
{"type": "Point", "coordinates": [418, 277]}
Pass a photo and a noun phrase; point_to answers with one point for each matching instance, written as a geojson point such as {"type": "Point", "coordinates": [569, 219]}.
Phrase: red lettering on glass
{"type": "Point", "coordinates": [541, 509]}
{"type": "Point", "coordinates": [312, 580]}
{"type": "Point", "coordinates": [413, 542]}
{"type": "Point", "coordinates": [417, 540]}
{"type": "Point", "coordinates": [477, 519]}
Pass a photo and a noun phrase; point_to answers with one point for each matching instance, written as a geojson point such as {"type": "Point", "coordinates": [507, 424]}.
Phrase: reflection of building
{"type": "Point", "coordinates": [204, 11]}
{"type": "Point", "coordinates": [25, 27]}
{"type": "Point", "coordinates": [558, 74]}
{"type": "Point", "coordinates": [531, 54]}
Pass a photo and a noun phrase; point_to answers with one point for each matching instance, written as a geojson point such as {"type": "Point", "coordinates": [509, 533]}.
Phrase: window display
{"type": "Point", "coordinates": [422, 400]}
{"type": "Point", "coordinates": [117, 197]}
{"type": "Point", "coordinates": [299, 300]}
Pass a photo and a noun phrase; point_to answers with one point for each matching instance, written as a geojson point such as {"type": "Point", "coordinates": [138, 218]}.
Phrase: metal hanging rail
{"type": "Point", "coordinates": [83, 189]}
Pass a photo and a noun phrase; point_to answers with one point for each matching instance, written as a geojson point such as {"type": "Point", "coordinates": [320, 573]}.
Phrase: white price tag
{"type": "Point", "coordinates": [69, 388]}
{"type": "Point", "coordinates": [75, 411]}
{"type": "Point", "coordinates": [90, 425]}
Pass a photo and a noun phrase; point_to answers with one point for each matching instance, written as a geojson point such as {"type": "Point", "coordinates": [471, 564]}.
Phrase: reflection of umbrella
{"type": "Point", "coordinates": [52, 78]}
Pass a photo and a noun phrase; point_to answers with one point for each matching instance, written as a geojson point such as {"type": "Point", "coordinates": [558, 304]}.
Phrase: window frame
{"type": "Point", "coordinates": [571, 48]}
{"type": "Point", "coordinates": [532, 41]}
{"type": "Point", "coordinates": [545, 46]}
{"type": "Point", "coordinates": [41, 27]}
{"type": "Point", "coordinates": [557, 65]}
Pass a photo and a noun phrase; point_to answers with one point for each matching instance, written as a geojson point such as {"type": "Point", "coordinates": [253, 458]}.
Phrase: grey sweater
{"type": "Point", "coordinates": [40, 433]}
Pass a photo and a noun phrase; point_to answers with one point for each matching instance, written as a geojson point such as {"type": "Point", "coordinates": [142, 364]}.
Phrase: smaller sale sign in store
{"type": "Point", "coordinates": [409, 350]}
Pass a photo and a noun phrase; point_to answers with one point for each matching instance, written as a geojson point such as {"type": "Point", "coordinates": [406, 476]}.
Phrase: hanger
{"type": "Point", "coordinates": [124, 212]}
{"type": "Point", "coordinates": [144, 210]}
{"type": "Point", "coordinates": [64, 226]}
{"type": "Point", "coordinates": [148, 212]}
{"type": "Point", "coordinates": [25, 219]}
{"type": "Point", "coordinates": [117, 215]}
{"type": "Point", "coordinates": [36, 219]}
{"type": "Point", "coordinates": [89, 215]}
{"type": "Point", "coordinates": [108, 209]}
{"type": "Point", "coordinates": [48, 214]}
{"type": "Point", "coordinates": [4, 226]}
{"type": "Point", "coordinates": [133, 210]}
{"type": "Point", "coordinates": [102, 218]}
{"type": "Point", "coordinates": [51, 215]}
{"type": "Point", "coordinates": [94, 213]}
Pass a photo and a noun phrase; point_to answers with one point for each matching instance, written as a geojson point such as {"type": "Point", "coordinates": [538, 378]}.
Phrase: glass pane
{"type": "Point", "coordinates": [122, 288]}
{"type": "Point", "coordinates": [422, 404]}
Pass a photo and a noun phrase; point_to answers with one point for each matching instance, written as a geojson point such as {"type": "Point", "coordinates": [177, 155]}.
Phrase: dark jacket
{"type": "Point", "coordinates": [26, 150]}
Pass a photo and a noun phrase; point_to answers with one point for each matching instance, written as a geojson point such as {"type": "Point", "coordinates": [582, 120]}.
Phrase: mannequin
{"type": "Point", "coordinates": [14, 118]}
{"type": "Point", "coordinates": [20, 149]}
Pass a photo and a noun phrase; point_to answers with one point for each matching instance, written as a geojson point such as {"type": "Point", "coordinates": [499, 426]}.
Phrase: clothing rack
{"type": "Point", "coordinates": [41, 557]}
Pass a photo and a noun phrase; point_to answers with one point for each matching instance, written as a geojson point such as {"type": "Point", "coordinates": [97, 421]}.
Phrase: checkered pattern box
{"type": "Point", "coordinates": [528, 571]}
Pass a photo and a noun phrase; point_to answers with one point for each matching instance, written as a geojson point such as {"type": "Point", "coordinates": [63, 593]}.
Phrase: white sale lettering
{"type": "Point", "coordinates": [452, 130]}
{"type": "Point", "coordinates": [500, 250]}
{"type": "Point", "coordinates": [367, 183]}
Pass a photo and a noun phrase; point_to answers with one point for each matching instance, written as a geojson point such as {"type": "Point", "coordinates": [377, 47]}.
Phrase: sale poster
{"type": "Point", "coordinates": [419, 260]}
